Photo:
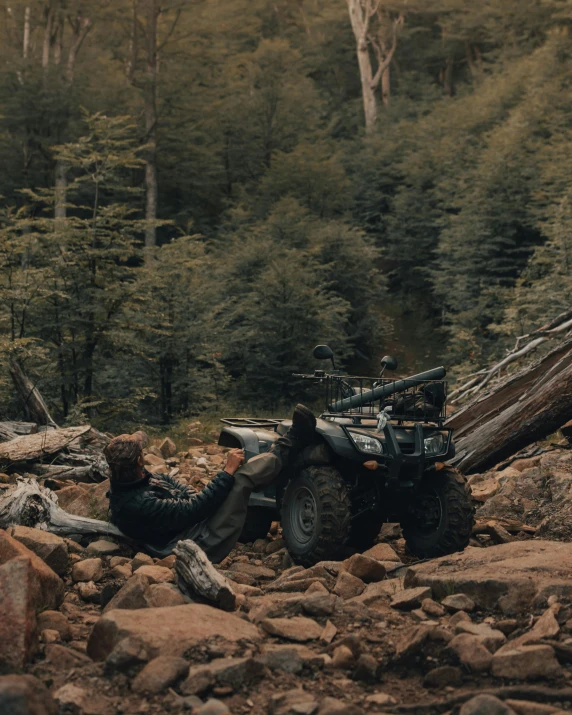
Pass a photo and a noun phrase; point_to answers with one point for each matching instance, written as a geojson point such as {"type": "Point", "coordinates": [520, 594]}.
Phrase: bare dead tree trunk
{"type": "Point", "coordinates": [34, 406]}
{"type": "Point", "coordinates": [520, 410]}
{"type": "Point", "coordinates": [80, 28]}
{"type": "Point", "coordinates": [364, 14]}
{"type": "Point", "coordinates": [50, 17]}
{"type": "Point", "coordinates": [26, 40]}
{"type": "Point", "coordinates": [386, 86]}
{"type": "Point", "coordinates": [29, 504]}
{"type": "Point", "coordinates": [61, 190]}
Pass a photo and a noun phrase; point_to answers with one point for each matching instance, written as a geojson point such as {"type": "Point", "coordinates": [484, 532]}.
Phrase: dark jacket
{"type": "Point", "coordinates": [157, 507]}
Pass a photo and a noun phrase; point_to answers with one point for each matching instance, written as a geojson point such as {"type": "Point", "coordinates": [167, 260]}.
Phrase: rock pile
{"type": "Point", "coordinates": [97, 629]}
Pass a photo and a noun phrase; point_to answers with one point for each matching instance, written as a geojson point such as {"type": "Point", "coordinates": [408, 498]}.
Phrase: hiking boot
{"type": "Point", "coordinates": [301, 433]}
{"type": "Point", "coordinates": [303, 427]}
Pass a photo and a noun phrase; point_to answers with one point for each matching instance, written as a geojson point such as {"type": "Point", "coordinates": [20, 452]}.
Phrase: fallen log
{"type": "Point", "coordinates": [534, 693]}
{"type": "Point", "coordinates": [524, 408]}
{"type": "Point", "coordinates": [197, 576]}
{"type": "Point", "coordinates": [34, 406]}
{"type": "Point", "coordinates": [87, 474]}
{"type": "Point", "coordinates": [11, 430]}
{"type": "Point", "coordinates": [35, 446]}
{"type": "Point", "coordinates": [26, 503]}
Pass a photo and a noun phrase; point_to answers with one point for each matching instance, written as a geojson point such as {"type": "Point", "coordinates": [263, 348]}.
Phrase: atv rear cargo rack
{"type": "Point", "coordinates": [252, 422]}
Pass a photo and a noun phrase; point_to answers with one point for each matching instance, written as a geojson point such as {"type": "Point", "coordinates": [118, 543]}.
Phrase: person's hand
{"type": "Point", "coordinates": [234, 460]}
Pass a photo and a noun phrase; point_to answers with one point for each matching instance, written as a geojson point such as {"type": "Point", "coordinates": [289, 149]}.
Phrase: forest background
{"type": "Point", "coordinates": [195, 193]}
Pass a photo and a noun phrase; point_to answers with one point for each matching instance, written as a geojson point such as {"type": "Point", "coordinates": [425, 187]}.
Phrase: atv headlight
{"type": "Point", "coordinates": [369, 445]}
{"type": "Point", "coordinates": [434, 444]}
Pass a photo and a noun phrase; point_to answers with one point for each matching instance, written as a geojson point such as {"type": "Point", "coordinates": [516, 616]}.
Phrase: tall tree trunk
{"type": "Point", "coordinates": [448, 77]}
{"type": "Point", "coordinates": [61, 190]}
{"type": "Point", "coordinates": [26, 41]}
{"type": "Point", "coordinates": [386, 86]}
{"type": "Point", "coordinates": [362, 14]}
{"type": "Point", "coordinates": [150, 102]}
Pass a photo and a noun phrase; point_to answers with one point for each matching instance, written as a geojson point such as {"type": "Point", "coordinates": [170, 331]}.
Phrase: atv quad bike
{"type": "Point", "coordinates": [380, 455]}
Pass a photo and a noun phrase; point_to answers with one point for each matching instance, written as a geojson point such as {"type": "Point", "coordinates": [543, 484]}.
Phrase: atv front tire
{"type": "Point", "coordinates": [440, 519]}
{"type": "Point", "coordinates": [315, 515]}
{"type": "Point", "coordinates": [257, 525]}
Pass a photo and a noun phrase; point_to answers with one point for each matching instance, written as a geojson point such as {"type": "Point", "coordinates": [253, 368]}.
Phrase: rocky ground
{"type": "Point", "coordinates": [96, 629]}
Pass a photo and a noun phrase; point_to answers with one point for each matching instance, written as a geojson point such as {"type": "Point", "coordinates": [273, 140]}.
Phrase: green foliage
{"type": "Point", "coordinates": [279, 224]}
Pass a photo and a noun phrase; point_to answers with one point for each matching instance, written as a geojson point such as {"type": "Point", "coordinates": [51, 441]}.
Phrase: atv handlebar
{"type": "Point", "coordinates": [378, 393]}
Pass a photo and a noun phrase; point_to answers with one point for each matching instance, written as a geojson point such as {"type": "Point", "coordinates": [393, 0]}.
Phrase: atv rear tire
{"type": "Point", "coordinates": [257, 525]}
{"type": "Point", "coordinates": [441, 517]}
{"type": "Point", "coordinates": [315, 515]}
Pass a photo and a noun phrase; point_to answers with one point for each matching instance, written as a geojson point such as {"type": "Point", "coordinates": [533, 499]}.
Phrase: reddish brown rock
{"type": "Point", "coordinates": [156, 574]}
{"type": "Point", "coordinates": [527, 662]}
{"type": "Point", "coordinates": [46, 587]}
{"type": "Point", "coordinates": [159, 674]}
{"type": "Point", "coordinates": [52, 549]}
{"type": "Point", "coordinates": [87, 570]}
{"type": "Point", "coordinates": [471, 652]}
{"type": "Point", "coordinates": [17, 613]}
{"type": "Point", "coordinates": [511, 576]}
{"type": "Point", "coordinates": [55, 621]}
{"type": "Point", "coordinates": [168, 448]}
{"type": "Point", "coordinates": [348, 586]}
{"type": "Point", "coordinates": [297, 628]}
{"type": "Point", "coordinates": [167, 631]}
{"type": "Point", "coordinates": [382, 552]}
{"type": "Point", "coordinates": [410, 598]}
{"type": "Point", "coordinates": [25, 695]}
{"type": "Point", "coordinates": [233, 672]}
{"type": "Point", "coordinates": [367, 569]}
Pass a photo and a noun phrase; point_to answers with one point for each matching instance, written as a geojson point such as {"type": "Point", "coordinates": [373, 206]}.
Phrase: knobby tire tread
{"type": "Point", "coordinates": [335, 514]}
{"type": "Point", "coordinates": [460, 518]}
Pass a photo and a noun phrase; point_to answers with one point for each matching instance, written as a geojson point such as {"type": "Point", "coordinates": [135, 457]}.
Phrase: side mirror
{"type": "Point", "coordinates": [389, 362]}
{"type": "Point", "coordinates": [323, 352]}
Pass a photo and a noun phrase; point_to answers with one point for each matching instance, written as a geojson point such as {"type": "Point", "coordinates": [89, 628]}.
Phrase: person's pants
{"type": "Point", "coordinates": [218, 534]}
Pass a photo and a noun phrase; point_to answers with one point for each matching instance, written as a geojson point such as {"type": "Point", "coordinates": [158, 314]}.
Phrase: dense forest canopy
{"type": "Point", "coordinates": [196, 192]}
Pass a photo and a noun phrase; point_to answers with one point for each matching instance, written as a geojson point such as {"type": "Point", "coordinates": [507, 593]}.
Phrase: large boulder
{"type": "Point", "coordinates": [167, 631]}
{"type": "Point", "coordinates": [17, 614]}
{"type": "Point", "coordinates": [46, 589]}
{"type": "Point", "coordinates": [511, 576]}
{"type": "Point", "coordinates": [52, 549]}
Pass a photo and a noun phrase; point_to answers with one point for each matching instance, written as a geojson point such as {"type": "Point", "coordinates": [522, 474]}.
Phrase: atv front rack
{"type": "Point", "coordinates": [251, 422]}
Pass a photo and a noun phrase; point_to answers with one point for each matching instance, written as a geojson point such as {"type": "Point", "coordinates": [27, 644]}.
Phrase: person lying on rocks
{"type": "Point", "coordinates": [158, 510]}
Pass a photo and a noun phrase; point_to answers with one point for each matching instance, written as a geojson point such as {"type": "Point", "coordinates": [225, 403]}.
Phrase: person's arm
{"type": "Point", "coordinates": [173, 485]}
{"type": "Point", "coordinates": [168, 515]}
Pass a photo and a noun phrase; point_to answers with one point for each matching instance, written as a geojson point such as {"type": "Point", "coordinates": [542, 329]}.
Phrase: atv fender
{"type": "Point", "coordinates": [240, 438]}
{"type": "Point", "coordinates": [253, 442]}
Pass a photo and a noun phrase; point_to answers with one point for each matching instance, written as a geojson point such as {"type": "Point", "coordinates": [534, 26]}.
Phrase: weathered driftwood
{"type": "Point", "coordinates": [197, 576]}
{"type": "Point", "coordinates": [28, 504]}
{"type": "Point", "coordinates": [11, 430]}
{"type": "Point", "coordinates": [34, 406]}
{"type": "Point", "coordinates": [555, 329]}
{"type": "Point", "coordinates": [523, 409]}
{"type": "Point", "coordinates": [94, 472]}
{"type": "Point", "coordinates": [35, 446]}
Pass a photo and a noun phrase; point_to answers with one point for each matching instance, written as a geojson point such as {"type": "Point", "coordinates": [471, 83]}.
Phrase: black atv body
{"type": "Point", "coordinates": [362, 471]}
